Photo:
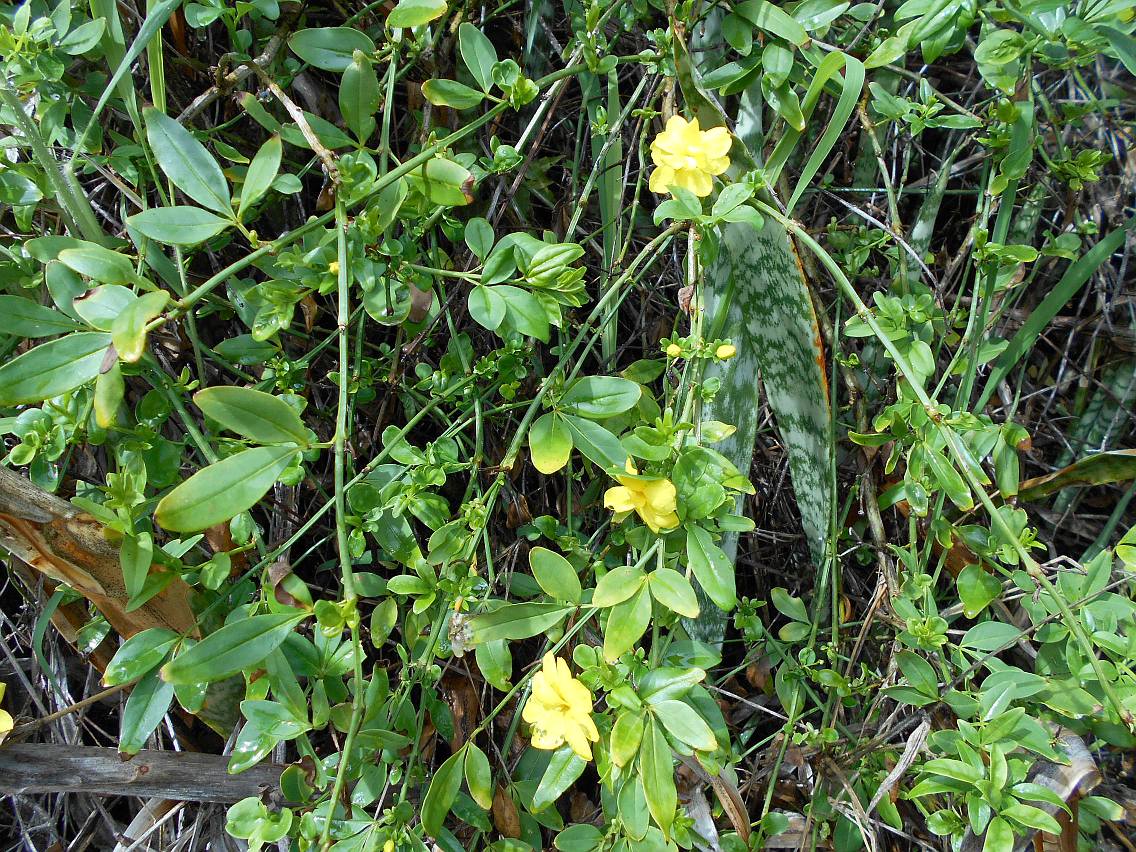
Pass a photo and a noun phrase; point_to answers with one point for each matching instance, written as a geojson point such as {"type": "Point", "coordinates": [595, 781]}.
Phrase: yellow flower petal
{"type": "Point", "coordinates": [618, 499]}
{"type": "Point", "coordinates": [717, 142]}
{"type": "Point", "coordinates": [661, 179]}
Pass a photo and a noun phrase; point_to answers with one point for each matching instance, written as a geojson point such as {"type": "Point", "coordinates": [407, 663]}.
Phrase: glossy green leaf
{"type": "Point", "coordinates": [253, 414]}
{"type": "Point", "coordinates": [451, 93]}
{"type": "Point", "coordinates": [220, 491]}
{"type": "Point", "coordinates": [359, 96]}
{"type": "Point", "coordinates": [626, 623]}
{"type": "Point", "coordinates": [685, 725]}
{"type": "Point", "coordinates": [478, 54]}
{"type": "Point", "coordinates": [555, 575]}
{"type": "Point", "coordinates": [241, 644]}
{"type": "Point", "coordinates": [599, 397]}
{"type": "Point", "coordinates": [330, 48]}
{"type": "Point", "coordinates": [657, 772]}
{"type": "Point", "coordinates": [128, 331]}
{"type": "Point", "coordinates": [139, 654]}
{"type": "Point", "coordinates": [486, 306]}
{"type": "Point", "coordinates": [516, 621]}
{"type": "Point", "coordinates": [596, 443]}
{"type": "Point", "coordinates": [100, 264]}
{"type": "Point", "coordinates": [21, 317]}
{"type": "Point", "coordinates": [53, 368]}
{"type": "Point", "coordinates": [550, 442]}
{"type": "Point", "coordinates": [135, 556]}
{"type": "Point", "coordinates": [149, 701]}
{"type": "Point", "coordinates": [711, 567]}
{"type": "Point", "coordinates": [261, 173]}
{"type": "Point", "coordinates": [478, 776]}
{"type": "Point", "coordinates": [178, 226]}
{"type": "Point", "coordinates": [415, 13]}
{"type": "Point", "coordinates": [674, 591]}
{"type": "Point", "coordinates": [563, 770]}
{"type": "Point", "coordinates": [443, 790]}
{"type": "Point", "coordinates": [185, 161]}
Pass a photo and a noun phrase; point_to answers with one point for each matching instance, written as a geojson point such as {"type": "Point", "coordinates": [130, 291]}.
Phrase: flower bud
{"type": "Point", "coordinates": [674, 350]}
{"type": "Point", "coordinates": [725, 352]}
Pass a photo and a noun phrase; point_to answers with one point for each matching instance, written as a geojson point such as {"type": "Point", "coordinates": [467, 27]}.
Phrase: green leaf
{"type": "Point", "coordinates": [849, 96]}
{"type": "Point", "coordinates": [788, 605]}
{"type": "Point", "coordinates": [128, 332]}
{"type": "Point", "coordinates": [139, 654]}
{"type": "Point", "coordinates": [1097, 469]}
{"type": "Point", "coordinates": [451, 93]}
{"type": "Point", "coordinates": [148, 703]}
{"type": "Point", "coordinates": [626, 734]}
{"type": "Point", "coordinates": [478, 54]}
{"type": "Point", "coordinates": [674, 591]}
{"type": "Point", "coordinates": [495, 662]}
{"type": "Point", "coordinates": [53, 368]}
{"type": "Point", "coordinates": [178, 226]}
{"type": "Point", "coordinates": [617, 585]}
{"type": "Point", "coordinates": [135, 555]}
{"type": "Point", "coordinates": [563, 770]}
{"type": "Point", "coordinates": [555, 575]}
{"type": "Point", "coordinates": [990, 636]}
{"type": "Point", "coordinates": [442, 792]}
{"type": "Point", "coordinates": [478, 776]}
{"type": "Point", "coordinates": [101, 306]}
{"type": "Point", "coordinates": [599, 397]}
{"type": "Point", "coordinates": [261, 173]}
{"type": "Point", "coordinates": [443, 181]}
{"type": "Point", "coordinates": [1032, 817]}
{"type": "Point", "coordinates": [976, 588]}
{"type": "Point", "coordinates": [999, 836]}
{"type": "Point", "coordinates": [550, 441]}
{"type": "Point", "coordinates": [890, 50]}
{"type": "Point", "coordinates": [487, 307]}
{"type": "Point", "coordinates": [684, 724]}
{"type": "Point", "coordinates": [223, 490]}
{"type": "Point", "coordinates": [524, 312]}
{"type": "Point", "coordinates": [955, 769]}
{"type": "Point", "coordinates": [359, 96]}
{"type": "Point", "coordinates": [919, 673]}
{"type": "Point", "coordinates": [1123, 45]}
{"type": "Point", "coordinates": [240, 644]}
{"type": "Point", "coordinates": [330, 48]}
{"type": "Point", "coordinates": [516, 621]}
{"type": "Point", "coordinates": [415, 13]}
{"type": "Point", "coordinates": [100, 264]}
{"type": "Point", "coordinates": [253, 414]}
{"type": "Point", "coordinates": [711, 567]}
{"type": "Point", "coordinates": [773, 20]}
{"type": "Point", "coordinates": [186, 162]}
{"type": "Point", "coordinates": [596, 443]}
{"type": "Point", "coordinates": [22, 317]}
{"type": "Point", "coordinates": [657, 772]}
{"type": "Point", "coordinates": [626, 623]}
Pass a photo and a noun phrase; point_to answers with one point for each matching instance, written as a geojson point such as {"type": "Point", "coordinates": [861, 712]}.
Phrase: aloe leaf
{"type": "Point", "coordinates": [756, 296]}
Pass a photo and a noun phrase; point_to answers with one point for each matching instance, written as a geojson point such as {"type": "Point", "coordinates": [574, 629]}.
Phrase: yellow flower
{"type": "Point", "coordinates": [388, 846]}
{"type": "Point", "coordinates": [6, 722]}
{"type": "Point", "coordinates": [688, 157]}
{"type": "Point", "coordinates": [654, 500]}
{"type": "Point", "coordinates": [333, 267]}
{"type": "Point", "coordinates": [674, 350]}
{"type": "Point", "coordinates": [726, 351]}
{"type": "Point", "coordinates": [560, 710]}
